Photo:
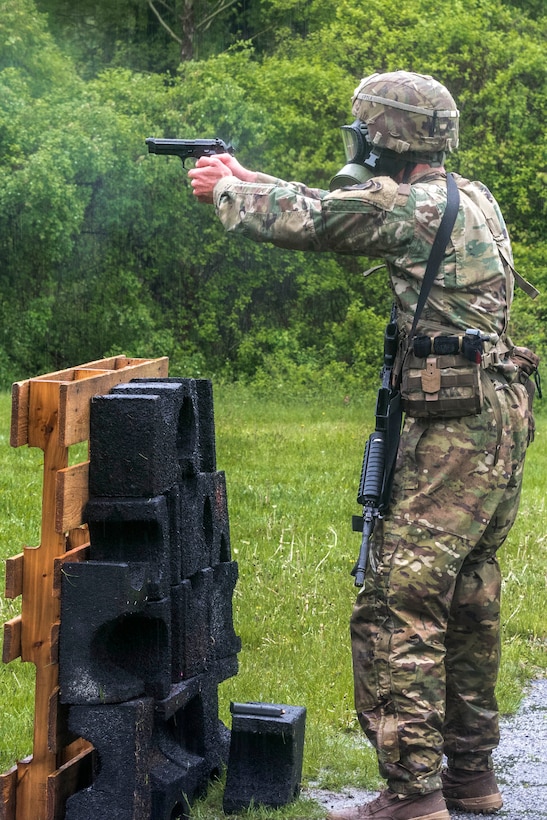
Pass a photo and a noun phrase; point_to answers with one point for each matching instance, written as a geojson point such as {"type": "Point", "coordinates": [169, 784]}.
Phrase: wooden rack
{"type": "Point", "coordinates": [52, 412]}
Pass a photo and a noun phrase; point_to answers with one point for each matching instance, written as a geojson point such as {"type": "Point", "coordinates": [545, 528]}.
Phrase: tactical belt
{"type": "Point", "coordinates": [469, 345]}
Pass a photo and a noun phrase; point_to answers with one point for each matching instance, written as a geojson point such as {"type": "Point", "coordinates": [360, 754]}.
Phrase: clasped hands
{"type": "Point", "coordinates": [209, 170]}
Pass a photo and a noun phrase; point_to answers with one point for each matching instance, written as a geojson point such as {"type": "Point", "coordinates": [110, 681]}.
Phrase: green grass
{"type": "Point", "coordinates": [292, 471]}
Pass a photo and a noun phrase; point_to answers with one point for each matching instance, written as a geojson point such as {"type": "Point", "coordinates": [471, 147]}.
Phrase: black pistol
{"type": "Point", "coordinates": [188, 149]}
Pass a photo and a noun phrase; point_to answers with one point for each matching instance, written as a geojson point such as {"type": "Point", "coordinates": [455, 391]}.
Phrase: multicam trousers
{"type": "Point", "coordinates": [426, 625]}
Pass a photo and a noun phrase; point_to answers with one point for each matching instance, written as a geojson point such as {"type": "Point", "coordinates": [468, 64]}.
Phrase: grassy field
{"type": "Point", "coordinates": [292, 471]}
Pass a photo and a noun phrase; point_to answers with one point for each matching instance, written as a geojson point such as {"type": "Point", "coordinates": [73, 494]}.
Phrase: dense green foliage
{"type": "Point", "coordinates": [102, 248]}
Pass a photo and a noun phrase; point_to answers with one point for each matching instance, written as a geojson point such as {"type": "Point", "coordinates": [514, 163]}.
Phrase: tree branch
{"type": "Point", "coordinates": [163, 23]}
{"type": "Point", "coordinates": [206, 22]}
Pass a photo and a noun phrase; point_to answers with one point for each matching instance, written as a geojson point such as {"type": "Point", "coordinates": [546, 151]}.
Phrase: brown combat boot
{"type": "Point", "coordinates": [475, 792]}
{"type": "Point", "coordinates": [391, 806]}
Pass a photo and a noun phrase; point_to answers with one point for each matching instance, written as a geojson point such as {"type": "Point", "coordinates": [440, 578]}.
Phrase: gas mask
{"type": "Point", "coordinates": [360, 158]}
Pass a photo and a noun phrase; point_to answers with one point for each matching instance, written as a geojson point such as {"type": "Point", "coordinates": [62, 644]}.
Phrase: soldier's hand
{"type": "Point", "coordinates": [237, 169]}
{"type": "Point", "coordinates": [205, 175]}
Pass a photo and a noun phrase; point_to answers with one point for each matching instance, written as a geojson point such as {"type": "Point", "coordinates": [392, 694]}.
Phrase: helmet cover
{"type": "Point", "coordinates": [407, 112]}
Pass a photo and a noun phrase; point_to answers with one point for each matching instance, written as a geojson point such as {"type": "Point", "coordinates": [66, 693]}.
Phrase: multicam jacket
{"type": "Point", "coordinates": [397, 223]}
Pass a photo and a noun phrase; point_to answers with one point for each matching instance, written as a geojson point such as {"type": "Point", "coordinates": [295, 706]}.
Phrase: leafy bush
{"type": "Point", "coordinates": [104, 247]}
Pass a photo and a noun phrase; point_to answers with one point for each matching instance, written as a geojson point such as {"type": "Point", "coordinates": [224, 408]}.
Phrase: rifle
{"type": "Point", "coordinates": [188, 149]}
{"type": "Point", "coordinates": [380, 451]}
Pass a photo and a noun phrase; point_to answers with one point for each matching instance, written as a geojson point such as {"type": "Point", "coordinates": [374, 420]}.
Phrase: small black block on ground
{"type": "Point", "coordinates": [122, 736]}
{"type": "Point", "coordinates": [265, 760]}
{"type": "Point", "coordinates": [114, 644]}
{"type": "Point", "coordinates": [132, 445]}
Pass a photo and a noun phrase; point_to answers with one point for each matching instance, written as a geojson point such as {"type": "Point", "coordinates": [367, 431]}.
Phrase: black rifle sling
{"type": "Point", "coordinates": [438, 248]}
{"type": "Point", "coordinates": [435, 257]}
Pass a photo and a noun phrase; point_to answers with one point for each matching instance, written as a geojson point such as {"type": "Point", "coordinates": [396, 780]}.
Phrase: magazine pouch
{"type": "Point", "coordinates": [441, 387]}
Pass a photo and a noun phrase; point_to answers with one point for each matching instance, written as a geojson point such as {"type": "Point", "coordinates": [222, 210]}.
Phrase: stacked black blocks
{"type": "Point", "coordinates": [146, 624]}
{"type": "Point", "coordinates": [266, 753]}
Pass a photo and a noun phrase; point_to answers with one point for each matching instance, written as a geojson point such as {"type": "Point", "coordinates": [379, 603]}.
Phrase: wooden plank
{"type": "Point", "coordinates": [77, 537]}
{"type": "Point", "coordinates": [20, 393]}
{"type": "Point", "coordinates": [32, 785]}
{"type": "Point", "coordinates": [57, 723]}
{"type": "Point", "coordinates": [75, 396]}
{"type": "Point", "coordinates": [40, 608]}
{"type": "Point", "coordinates": [65, 781]}
{"type": "Point", "coordinates": [79, 553]}
{"type": "Point", "coordinates": [74, 749]}
{"type": "Point", "coordinates": [23, 769]}
{"type": "Point", "coordinates": [143, 368]}
{"type": "Point", "coordinates": [12, 639]}
{"type": "Point", "coordinates": [54, 643]}
{"type": "Point", "coordinates": [43, 415]}
{"type": "Point", "coordinates": [67, 374]}
{"type": "Point", "coordinates": [80, 373]}
{"type": "Point", "coordinates": [20, 396]}
{"type": "Point", "coordinates": [14, 575]}
{"type": "Point", "coordinates": [72, 494]}
{"type": "Point", "coordinates": [8, 791]}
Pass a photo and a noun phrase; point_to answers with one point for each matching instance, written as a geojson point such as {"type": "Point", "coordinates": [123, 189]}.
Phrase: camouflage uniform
{"type": "Point", "coordinates": [425, 627]}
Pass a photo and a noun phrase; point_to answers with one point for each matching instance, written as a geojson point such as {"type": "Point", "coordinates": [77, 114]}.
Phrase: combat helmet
{"type": "Point", "coordinates": [407, 113]}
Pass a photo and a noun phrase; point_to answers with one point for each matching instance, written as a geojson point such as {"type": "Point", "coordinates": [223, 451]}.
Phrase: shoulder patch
{"type": "Point", "coordinates": [382, 192]}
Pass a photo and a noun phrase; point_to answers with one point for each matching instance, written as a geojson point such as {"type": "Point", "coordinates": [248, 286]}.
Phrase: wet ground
{"type": "Point", "coordinates": [520, 761]}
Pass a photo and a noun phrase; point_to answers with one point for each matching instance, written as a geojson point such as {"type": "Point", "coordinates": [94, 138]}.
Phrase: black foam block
{"type": "Point", "coordinates": [190, 748]}
{"type": "Point", "coordinates": [198, 644]}
{"type": "Point", "coordinates": [179, 625]}
{"type": "Point", "coordinates": [180, 696]}
{"type": "Point", "coordinates": [173, 787]}
{"type": "Point", "coordinates": [226, 668]}
{"type": "Point", "coordinates": [265, 760]}
{"type": "Point", "coordinates": [132, 445]}
{"type": "Point", "coordinates": [114, 644]}
{"type": "Point", "coordinates": [134, 530]}
{"type": "Point", "coordinates": [122, 735]}
{"type": "Point", "coordinates": [193, 403]}
{"type": "Point", "coordinates": [196, 728]}
{"type": "Point", "coordinates": [225, 641]}
{"type": "Point", "coordinates": [189, 729]}
{"type": "Point", "coordinates": [202, 626]}
{"type": "Point", "coordinates": [206, 435]}
{"type": "Point", "coordinates": [204, 522]}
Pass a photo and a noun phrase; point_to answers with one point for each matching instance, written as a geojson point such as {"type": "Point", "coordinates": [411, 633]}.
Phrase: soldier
{"type": "Point", "coordinates": [425, 627]}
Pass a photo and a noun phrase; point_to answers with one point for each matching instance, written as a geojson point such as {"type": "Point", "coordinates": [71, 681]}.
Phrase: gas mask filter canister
{"type": "Point", "coordinates": [358, 152]}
